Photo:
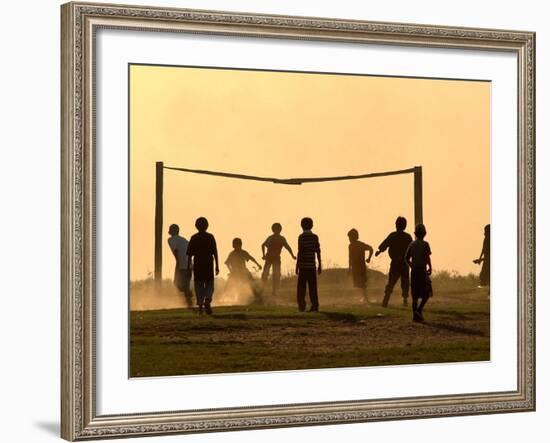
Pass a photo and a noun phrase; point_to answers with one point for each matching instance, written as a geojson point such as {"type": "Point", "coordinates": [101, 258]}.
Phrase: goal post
{"type": "Point", "coordinates": [159, 213]}
{"type": "Point", "coordinates": [418, 217]}
{"type": "Point", "coordinates": [159, 189]}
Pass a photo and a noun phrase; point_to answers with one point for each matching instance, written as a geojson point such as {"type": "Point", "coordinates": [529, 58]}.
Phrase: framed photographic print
{"type": "Point", "coordinates": [283, 221]}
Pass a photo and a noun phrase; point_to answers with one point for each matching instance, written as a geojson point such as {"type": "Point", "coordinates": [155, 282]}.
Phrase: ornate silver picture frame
{"type": "Point", "coordinates": [80, 23]}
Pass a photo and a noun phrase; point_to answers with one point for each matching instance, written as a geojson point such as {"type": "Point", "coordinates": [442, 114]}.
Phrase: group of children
{"type": "Point", "coordinates": [405, 254]}
{"type": "Point", "coordinates": [199, 258]}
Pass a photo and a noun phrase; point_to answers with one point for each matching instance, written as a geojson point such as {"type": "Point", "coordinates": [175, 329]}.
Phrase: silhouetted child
{"type": "Point", "coordinates": [308, 249]}
{"type": "Point", "coordinates": [485, 259]}
{"type": "Point", "coordinates": [357, 261]}
{"type": "Point", "coordinates": [182, 278]}
{"type": "Point", "coordinates": [203, 253]}
{"type": "Point", "coordinates": [397, 242]}
{"type": "Point", "coordinates": [418, 258]}
{"type": "Point", "coordinates": [271, 253]}
{"type": "Point", "coordinates": [239, 273]}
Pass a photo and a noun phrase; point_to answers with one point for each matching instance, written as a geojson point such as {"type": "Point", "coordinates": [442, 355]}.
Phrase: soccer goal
{"type": "Point", "coordinates": [297, 181]}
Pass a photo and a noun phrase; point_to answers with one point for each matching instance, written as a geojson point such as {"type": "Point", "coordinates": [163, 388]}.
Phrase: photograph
{"type": "Point", "coordinates": [291, 220]}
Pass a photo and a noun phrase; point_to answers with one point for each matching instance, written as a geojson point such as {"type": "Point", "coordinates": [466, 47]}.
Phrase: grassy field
{"type": "Point", "coordinates": [346, 333]}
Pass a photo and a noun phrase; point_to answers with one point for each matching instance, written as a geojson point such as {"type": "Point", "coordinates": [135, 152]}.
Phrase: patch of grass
{"type": "Point", "coordinates": [273, 338]}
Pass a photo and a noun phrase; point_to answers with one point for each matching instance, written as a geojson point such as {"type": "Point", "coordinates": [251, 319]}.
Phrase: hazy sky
{"type": "Point", "coordinates": [287, 125]}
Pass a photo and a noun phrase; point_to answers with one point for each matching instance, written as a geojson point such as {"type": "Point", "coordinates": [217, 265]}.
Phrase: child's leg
{"type": "Point", "coordinates": [301, 290]}
{"type": "Point", "coordinates": [313, 295]}
{"type": "Point", "coordinates": [422, 304]}
{"type": "Point", "coordinates": [359, 277]}
{"type": "Point", "coordinates": [199, 293]}
{"type": "Point", "coordinates": [417, 315]}
{"type": "Point", "coordinates": [364, 279]}
{"type": "Point", "coordinates": [276, 276]}
{"type": "Point", "coordinates": [425, 290]}
{"type": "Point", "coordinates": [393, 276]}
{"type": "Point", "coordinates": [419, 289]}
{"type": "Point", "coordinates": [208, 293]}
{"type": "Point", "coordinates": [265, 271]}
{"type": "Point", "coordinates": [405, 282]}
{"type": "Point", "coordinates": [255, 289]}
{"type": "Point", "coordinates": [364, 293]}
{"type": "Point", "coordinates": [414, 293]}
{"type": "Point", "coordinates": [187, 288]}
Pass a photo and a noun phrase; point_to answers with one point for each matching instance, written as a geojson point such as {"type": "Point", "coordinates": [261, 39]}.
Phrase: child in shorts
{"type": "Point", "coordinates": [418, 257]}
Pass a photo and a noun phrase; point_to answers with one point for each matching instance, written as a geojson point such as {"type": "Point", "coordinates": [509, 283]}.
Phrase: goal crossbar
{"type": "Point", "coordinates": [290, 181]}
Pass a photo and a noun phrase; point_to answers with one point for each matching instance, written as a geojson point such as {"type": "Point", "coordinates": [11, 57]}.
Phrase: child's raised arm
{"type": "Point", "coordinates": [383, 246]}
{"type": "Point", "coordinates": [477, 261]}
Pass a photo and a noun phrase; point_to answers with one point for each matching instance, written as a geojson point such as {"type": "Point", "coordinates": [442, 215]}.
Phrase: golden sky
{"type": "Point", "coordinates": [292, 124]}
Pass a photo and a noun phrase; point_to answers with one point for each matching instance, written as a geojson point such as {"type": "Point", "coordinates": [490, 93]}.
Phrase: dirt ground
{"type": "Point", "coordinates": [346, 333]}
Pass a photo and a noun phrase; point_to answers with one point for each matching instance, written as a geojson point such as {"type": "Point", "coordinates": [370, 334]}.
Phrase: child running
{"type": "Point", "coordinates": [238, 272]}
{"type": "Point", "coordinates": [397, 243]}
{"type": "Point", "coordinates": [418, 258]}
{"type": "Point", "coordinates": [357, 262]}
{"type": "Point", "coordinates": [271, 253]}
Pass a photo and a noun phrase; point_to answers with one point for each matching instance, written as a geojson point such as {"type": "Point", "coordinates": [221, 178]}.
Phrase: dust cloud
{"type": "Point", "coordinates": [335, 289]}
{"type": "Point", "coordinates": [145, 295]}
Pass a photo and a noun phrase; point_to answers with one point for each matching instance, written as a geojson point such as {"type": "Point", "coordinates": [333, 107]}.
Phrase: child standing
{"type": "Point", "coordinates": [202, 253]}
{"type": "Point", "coordinates": [485, 259]}
{"type": "Point", "coordinates": [271, 253]}
{"type": "Point", "coordinates": [418, 258]}
{"type": "Point", "coordinates": [239, 273]}
{"type": "Point", "coordinates": [357, 262]}
{"type": "Point", "coordinates": [178, 246]}
{"type": "Point", "coordinates": [308, 249]}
